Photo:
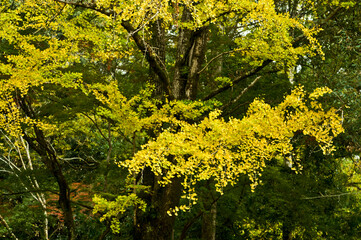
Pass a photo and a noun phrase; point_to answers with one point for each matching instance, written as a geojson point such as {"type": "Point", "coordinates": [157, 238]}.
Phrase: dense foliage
{"type": "Point", "coordinates": [179, 119]}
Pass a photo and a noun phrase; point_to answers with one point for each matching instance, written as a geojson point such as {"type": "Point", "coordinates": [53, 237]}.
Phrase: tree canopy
{"type": "Point", "coordinates": [147, 115]}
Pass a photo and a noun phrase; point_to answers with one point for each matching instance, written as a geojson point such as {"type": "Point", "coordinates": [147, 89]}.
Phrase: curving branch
{"type": "Point", "coordinates": [237, 80]}
{"type": "Point", "coordinates": [49, 157]}
{"type": "Point", "coordinates": [242, 93]}
{"type": "Point", "coordinates": [153, 59]}
{"type": "Point", "coordinates": [218, 56]}
{"type": "Point", "coordinates": [155, 62]}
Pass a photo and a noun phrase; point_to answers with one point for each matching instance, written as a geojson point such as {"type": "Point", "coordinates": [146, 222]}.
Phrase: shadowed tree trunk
{"type": "Point", "coordinates": [49, 157]}
{"type": "Point", "coordinates": [286, 231]}
{"type": "Point", "coordinates": [158, 42]}
{"type": "Point", "coordinates": [157, 224]}
{"type": "Point", "coordinates": [209, 223]}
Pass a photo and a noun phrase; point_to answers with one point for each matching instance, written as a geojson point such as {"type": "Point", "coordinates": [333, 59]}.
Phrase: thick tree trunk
{"type": "Point", "coordinates": [158, 43]}
{"type": "Point", "coordinates": [196, 59]}
{"type": "Point", "coordinates": [184, 46]}
{"type": "Point", "coordinates": [157, 224]}
{"type": "Point", "coordinates": [190, 57]}
{"type": "Point", "coordinates": [209, 223]}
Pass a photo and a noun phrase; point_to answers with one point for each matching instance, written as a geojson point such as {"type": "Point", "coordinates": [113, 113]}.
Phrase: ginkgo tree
{"type": "Point", "coordinates": [222, 150]}
{"type": "Point", "coordinates": [175, 132]}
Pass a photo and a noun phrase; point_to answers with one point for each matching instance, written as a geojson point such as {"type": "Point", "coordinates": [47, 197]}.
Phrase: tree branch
{"type": "Point", "coordinates": [216, 57]}
{"type": "Point", "coordinates": [7, 227]}
{"type": "Point", "coordinates": [322, 23]}
{"type": "Point", "coordinates": [237, 80]}
{"type": "Point", "coordinates": [153, 59]}
{"type": "Point", "coordinates": [251, 73]}
{"type": "Point", "coordinates": [30, 191]}
{"type": "Point", "coordinates": [189, 224]}
{"type": "Point", "coordinates": [330, 195]}
{"type": "Point", "coordinates": [242, 93]}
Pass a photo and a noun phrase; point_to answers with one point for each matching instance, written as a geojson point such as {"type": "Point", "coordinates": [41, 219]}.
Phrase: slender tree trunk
{"type": "Point", "coordinates": [46, 224]}
{"type": "Point", "coordinates": [49, 157]}
{"type": "Point", "coordinates": [50, 160]}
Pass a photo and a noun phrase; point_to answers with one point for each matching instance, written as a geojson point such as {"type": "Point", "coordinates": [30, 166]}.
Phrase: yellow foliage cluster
{"type": "Point", "coordinates": [112, 209]}
{"type": "Point", "coordinates": [222, 150]}
{"type": "Point", "coordinates": [250, 228]}
{"type": "Point", "coordinates": [266, 33]}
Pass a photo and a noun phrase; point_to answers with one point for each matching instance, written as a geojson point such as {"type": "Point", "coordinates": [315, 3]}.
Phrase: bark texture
{"type": "Point", "coordinates": [190, 57]}
{"type": "Point", "coordinates": [158, 43]}
{"type": "Point", "coordinates": [209, 223]}
{"type": "Point", "coordinates": [157, 224]}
